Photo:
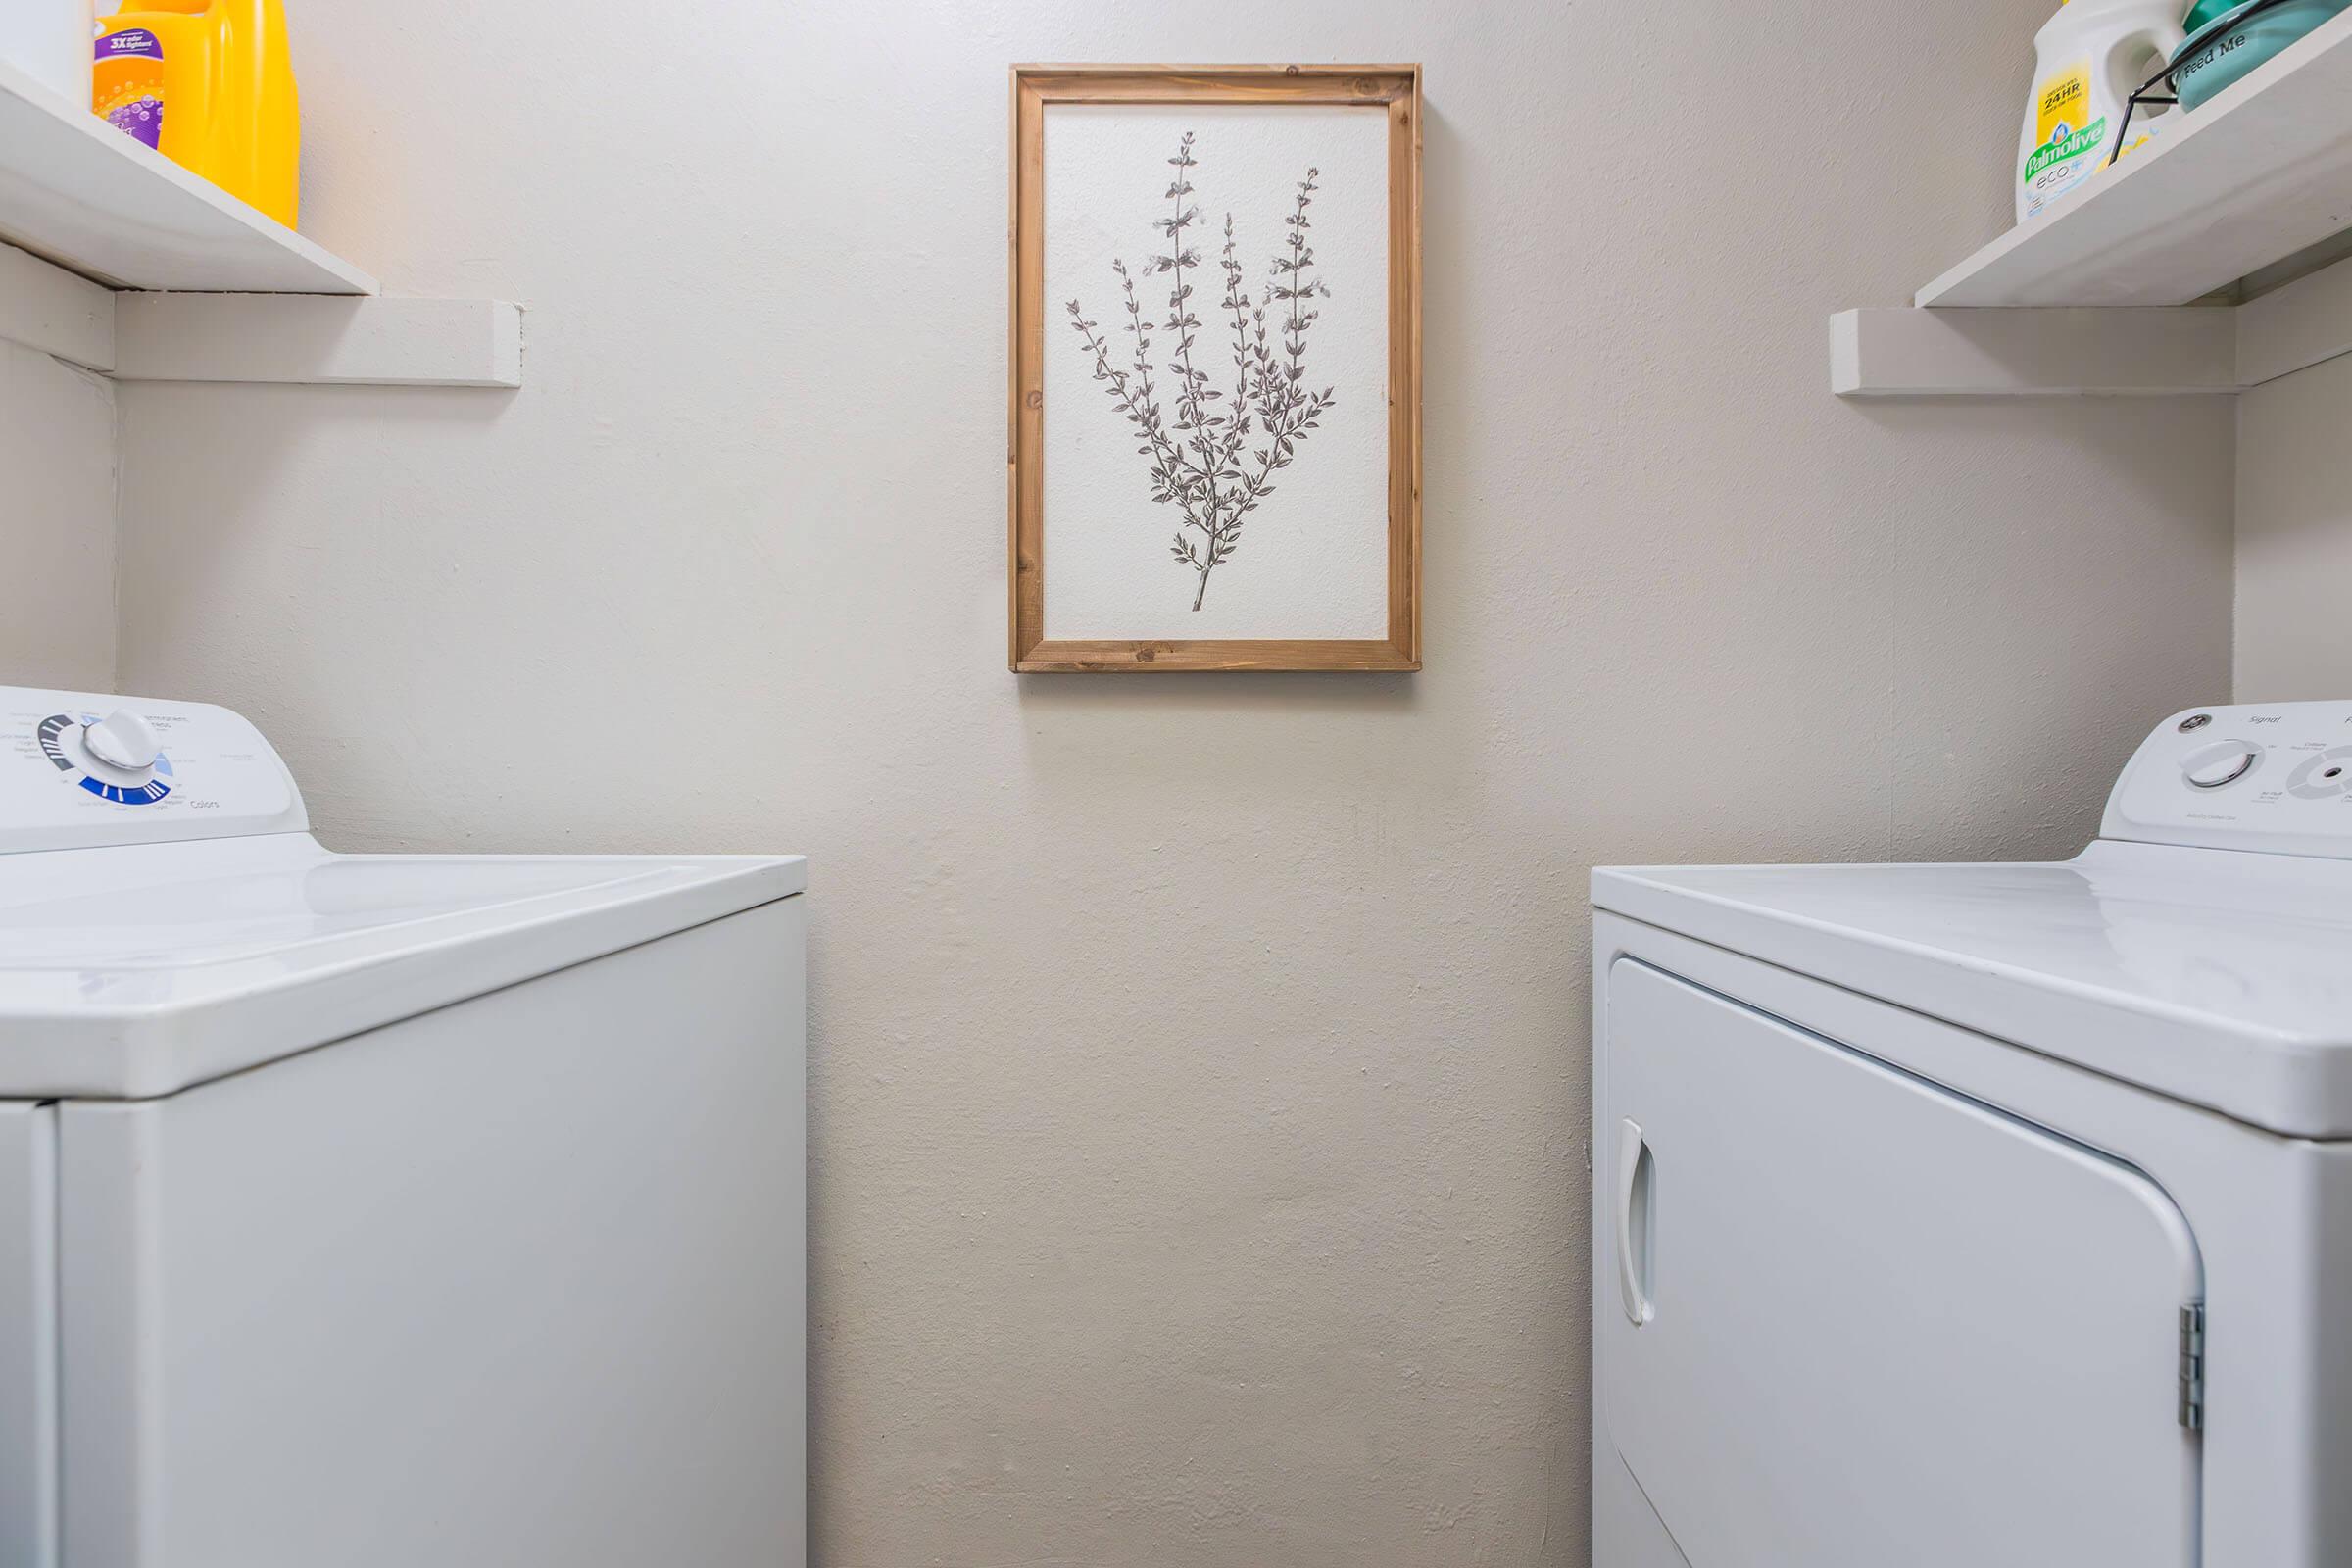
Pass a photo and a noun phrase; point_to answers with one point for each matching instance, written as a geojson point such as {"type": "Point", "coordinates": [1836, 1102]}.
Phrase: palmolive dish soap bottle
{"type": "Point", "coordinates": [2088, 60]}
{"type": "Point", "coordinates": [208, 84]}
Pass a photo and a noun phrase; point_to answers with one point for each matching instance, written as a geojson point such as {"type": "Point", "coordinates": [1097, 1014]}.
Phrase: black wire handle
{"type": "Point", "coordinates": [2147, 93]}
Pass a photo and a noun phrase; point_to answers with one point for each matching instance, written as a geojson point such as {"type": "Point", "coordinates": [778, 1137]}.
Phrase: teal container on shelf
{"type": "Point", "coordinates": [2223, 48]}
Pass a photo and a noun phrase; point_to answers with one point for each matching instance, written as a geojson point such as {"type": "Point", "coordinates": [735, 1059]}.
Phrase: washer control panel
{"type": "Point", "coordinates": [81, 769]}
{"type": "Point", "coordinates": [2276, 777]}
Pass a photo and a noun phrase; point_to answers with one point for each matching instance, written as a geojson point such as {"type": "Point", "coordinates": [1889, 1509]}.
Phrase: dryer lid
{"type": "Point", "coordinates": [138, 969]}
{"type": "Point", "coordinates": [2215, 976]}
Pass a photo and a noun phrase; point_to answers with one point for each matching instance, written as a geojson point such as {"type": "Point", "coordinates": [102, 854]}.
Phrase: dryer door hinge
{"type": "Point", "coordinates": [2192, 1366]}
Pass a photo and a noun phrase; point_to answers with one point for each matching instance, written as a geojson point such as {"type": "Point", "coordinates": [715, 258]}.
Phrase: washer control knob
{"type": "Point", "coordinates": [124, 740]}
{"type": "Point", "coordinates": [2209, 767]}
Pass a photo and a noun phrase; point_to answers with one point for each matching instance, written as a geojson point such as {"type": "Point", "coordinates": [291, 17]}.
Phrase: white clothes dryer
{"type": "Point", "coordinates": [1956, 1215]}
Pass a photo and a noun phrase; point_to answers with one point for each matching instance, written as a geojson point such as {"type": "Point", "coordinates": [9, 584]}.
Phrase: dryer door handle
{"type": "Point", "coordinates": [1633, 1167]}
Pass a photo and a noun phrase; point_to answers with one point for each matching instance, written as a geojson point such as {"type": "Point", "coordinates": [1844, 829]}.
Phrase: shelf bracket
{"type": "Point", "coordinates": [2141, 352]}
{"type": "Point", "coordinates": [2091, 350]}
{"type": "Point", "coordinates": [49, 309]}
{"type": "Point", "coordinates": [317, 340]}
{"type": "Point", "coordinates": [285, 339]}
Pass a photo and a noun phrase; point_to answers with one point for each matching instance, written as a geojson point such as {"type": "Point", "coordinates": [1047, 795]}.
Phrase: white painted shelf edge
{"type": "Point", "coordinates": [2045, 351]}
{"type": "Point", "coordinates": [2257, 174]}
{"type": "Point", "coordinates": [82, 194]}
{"type": "Point", "coordinates": [301, 339]}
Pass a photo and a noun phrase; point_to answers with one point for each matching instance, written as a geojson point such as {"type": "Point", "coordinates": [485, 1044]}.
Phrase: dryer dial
{"type": "Point", "coordinates": [2223, 763]}
{"type": "Point", "coordinates": [67, 742]}
{"type": "Point", "coordinates": [124, 740]}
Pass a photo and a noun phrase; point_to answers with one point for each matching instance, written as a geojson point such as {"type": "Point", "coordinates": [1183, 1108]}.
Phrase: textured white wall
{"type": "Point", "coordinates": [57, 523]}
{"type": "Point", "coordinates": [2295, 536]}
{"type": "Point", "coordinates": [1200, 1062]}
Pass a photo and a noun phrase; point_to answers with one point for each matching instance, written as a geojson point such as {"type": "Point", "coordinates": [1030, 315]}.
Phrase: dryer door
{"type": "Point", "coordinates": [1852, 1319]}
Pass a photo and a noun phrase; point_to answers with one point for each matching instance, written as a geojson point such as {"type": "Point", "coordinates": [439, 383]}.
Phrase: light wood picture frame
{"type": "Point", "coordinates": [1154, 444]}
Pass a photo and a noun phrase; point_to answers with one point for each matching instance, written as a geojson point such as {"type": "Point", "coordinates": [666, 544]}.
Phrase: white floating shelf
{"type": "Point", "coordinates": [207, 284]}
{"type": "Point", "coordinates": [81, 194]}
{"type": "Point", "coordinates": [2258, 173]}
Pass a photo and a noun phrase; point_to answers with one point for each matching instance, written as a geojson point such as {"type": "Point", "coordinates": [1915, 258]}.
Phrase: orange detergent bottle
{"type": "Point", "coordinates": [208, 84]}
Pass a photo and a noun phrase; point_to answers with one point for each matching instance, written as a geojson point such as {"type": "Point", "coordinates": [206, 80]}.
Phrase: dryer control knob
{"type": "Point", "coordinates": [2209, 767]}
{"type": "Point", "coordinates": [124, 740]}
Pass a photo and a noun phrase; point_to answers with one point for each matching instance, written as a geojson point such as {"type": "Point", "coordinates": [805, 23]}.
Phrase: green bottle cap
{"type": "Point", "coordinates": [2206, 11]}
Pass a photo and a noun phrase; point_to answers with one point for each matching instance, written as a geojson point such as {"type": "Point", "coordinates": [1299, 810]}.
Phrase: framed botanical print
{"type": "Point", "coordinates": [1215, 415]}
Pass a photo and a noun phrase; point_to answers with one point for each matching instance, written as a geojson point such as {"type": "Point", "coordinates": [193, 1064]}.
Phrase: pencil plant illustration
{"type": "Point", "coordinates": [1212, 451]}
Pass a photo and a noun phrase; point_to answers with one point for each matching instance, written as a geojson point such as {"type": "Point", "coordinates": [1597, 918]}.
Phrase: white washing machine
{"type": "Point", "coordinates": [376, 1210]}
{"type": "Point", "coordinates": [1960, 1215]}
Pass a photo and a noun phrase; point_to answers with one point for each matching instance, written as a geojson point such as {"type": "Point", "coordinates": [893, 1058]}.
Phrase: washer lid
{"type": "Point", "coordinates": [138, 969]}
{"type": "Point", "coordinates": [2216, 976]}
